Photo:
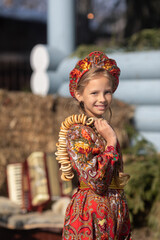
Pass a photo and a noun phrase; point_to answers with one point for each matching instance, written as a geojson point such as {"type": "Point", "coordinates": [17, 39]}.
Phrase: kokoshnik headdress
{"type": "Point", "coordinates": [94, 59]}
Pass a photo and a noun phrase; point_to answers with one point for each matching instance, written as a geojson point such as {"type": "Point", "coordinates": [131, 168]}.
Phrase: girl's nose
{"type": "Point", "coordinates": [102, 98]}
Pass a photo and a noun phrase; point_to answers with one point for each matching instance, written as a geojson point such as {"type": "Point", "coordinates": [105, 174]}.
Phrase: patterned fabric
{"type": "Point", "coordinates": [96, 212]}
{"type": "Point", "coordinates": [94, 59]}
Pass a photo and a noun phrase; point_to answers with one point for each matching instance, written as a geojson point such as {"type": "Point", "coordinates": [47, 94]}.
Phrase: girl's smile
{"type": "Point", "coordinates": [97, 96]}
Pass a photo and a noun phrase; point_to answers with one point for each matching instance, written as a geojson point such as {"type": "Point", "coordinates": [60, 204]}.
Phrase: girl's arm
{"type": "Point", "coordinates": [93, 163]}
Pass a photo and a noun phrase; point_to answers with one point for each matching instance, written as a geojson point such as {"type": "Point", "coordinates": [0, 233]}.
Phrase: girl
{"type": "Point", "coordinates": [89, 145]}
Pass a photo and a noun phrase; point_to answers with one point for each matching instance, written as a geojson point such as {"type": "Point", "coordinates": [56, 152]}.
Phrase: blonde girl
{"type": "Point", "coordinates": [89, 145]}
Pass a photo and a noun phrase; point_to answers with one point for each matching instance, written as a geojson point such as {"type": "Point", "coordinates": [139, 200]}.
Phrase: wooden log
{"type": "Point", "coordinates": [138, 65]}
{"type": "Point", "coordinates": [66, 66]}
{"type": "Point", "coordinates": [61, 25]}
{"type": "Point", "coordinates": [147, 118]}
{"type": "Point", "coordinates": [43, 83]}
{"type": "Point", "coordinates": [139, 91]}
{"type": "Point", "coordinates": [45, 57]}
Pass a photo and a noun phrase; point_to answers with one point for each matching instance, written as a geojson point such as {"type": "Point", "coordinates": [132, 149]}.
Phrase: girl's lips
{"type": "Point", "coordinates": [100, 106]}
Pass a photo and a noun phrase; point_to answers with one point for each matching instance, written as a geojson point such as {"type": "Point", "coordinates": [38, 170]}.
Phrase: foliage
{"type": "Point", "coordinates": [83, 50]}
{"type": "Point", "coordinates": [154, 217]}
{"type": "Point", "coordinates": [144, 40]}
{"type": "Point", "coordinates": [143, 195]}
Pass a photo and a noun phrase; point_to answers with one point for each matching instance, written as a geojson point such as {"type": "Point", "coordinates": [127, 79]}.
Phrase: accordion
{"type": "Point", "coordinates": [35, 182]}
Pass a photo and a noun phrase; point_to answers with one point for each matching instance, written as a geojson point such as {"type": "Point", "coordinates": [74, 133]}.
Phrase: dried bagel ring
{"type": "Point", "coordinates": [79, 118]}
{"type": "Point", "coordinates": [64, 161]}
{"type": "Point", "coordinates": [62, 155]}
{"type": "Point", "coordinates": [73, 118]}
{"type": "Point", "coordinates": [90, 121]}
{"type": "Point", "coordinates": [82, 117]}
{"type": "Point", "coordinates": [62, 138]}
{"type": "Point", "coordinates": [67, 124]}
{"type": "Point", "coordinates": [67, 174]}
{"type": "Point", "coordinates": [65, 167]}
{"type": "Point", "coordinates": [62, 150]}
{"type": "Point", "coordinates": [70, 176]}
{"type": "Point", "coordinates": [62, 145]}
{"type": "Point", "coordinates": [70, 121]}
{"type": "Point", "coordinates": [84, 120]}
{"type": "Point", "coordinates": [64, 130]}
{"type": "Point", "coordinates": [63, 127]}
{"type": "Point", "coordinates": [64, 178]}
{"type": "Point", "coordinates": [62, 142]}
{"type": "Point", "coordinates": [76, 118]}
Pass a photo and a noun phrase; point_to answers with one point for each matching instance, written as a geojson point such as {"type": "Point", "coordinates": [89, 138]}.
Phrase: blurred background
{"type": "Point", "coordinates": [40, 42]}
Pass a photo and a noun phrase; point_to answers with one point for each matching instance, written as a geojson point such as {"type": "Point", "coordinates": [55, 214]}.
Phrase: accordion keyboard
{"type": "Point", "coordinates": [14, 178]}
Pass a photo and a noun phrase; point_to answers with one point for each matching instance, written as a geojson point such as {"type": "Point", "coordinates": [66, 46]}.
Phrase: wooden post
{"type": "Point", "coordinates": [61, 25]}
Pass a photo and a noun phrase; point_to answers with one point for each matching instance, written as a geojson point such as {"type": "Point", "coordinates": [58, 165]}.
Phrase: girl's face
{"type": "Point", "coordinates": [97, 96]}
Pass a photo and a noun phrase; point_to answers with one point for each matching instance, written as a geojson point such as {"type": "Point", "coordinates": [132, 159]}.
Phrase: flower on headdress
{"type": "Point", "coordinates": [108, 64]}
{"type": "Point", "coordinates": [75, 73]}
{"type": "Point", "coordinates": [84, 64]}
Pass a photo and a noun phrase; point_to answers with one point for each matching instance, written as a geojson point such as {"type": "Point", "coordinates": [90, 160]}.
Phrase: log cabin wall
{"type": "Point", "coordinates": [140, 86]}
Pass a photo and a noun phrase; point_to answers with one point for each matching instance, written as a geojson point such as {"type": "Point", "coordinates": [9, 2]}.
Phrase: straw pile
{"type": "Point", "coordinates": [31, 123]}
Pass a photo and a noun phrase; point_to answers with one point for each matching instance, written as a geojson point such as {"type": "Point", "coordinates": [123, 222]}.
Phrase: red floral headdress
{"type": "Point", "coordinates": [94, 59]}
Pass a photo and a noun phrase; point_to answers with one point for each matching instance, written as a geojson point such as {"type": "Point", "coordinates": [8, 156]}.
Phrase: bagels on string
{"type": "Point", "coordinates": [62, 153]}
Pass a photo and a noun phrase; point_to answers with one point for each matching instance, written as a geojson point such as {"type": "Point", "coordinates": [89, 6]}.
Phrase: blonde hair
{"type": "Point", "coordinates": [91, 74]}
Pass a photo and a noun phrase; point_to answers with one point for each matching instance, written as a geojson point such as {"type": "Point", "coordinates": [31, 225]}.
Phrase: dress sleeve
{"type": "Point", "coordinates": [93, 163]}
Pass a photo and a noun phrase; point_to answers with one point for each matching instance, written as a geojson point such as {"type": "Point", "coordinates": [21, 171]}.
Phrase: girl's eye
{"type": "Point", "coordinates": [108, 92]}
{"type": "Point", "coordinates": [93, 93]}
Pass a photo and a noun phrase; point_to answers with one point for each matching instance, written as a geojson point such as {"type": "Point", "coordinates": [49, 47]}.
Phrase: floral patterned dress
{"type": "Point", "coordinates": [95, 211]}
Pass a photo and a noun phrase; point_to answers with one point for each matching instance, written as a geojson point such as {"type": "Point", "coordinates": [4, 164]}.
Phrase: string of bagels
{"type": "Point", "coordinates": [62, 153]}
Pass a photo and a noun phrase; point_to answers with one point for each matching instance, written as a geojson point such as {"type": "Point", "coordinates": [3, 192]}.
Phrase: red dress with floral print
{"type": "Point", "coordinates": [95, 212]}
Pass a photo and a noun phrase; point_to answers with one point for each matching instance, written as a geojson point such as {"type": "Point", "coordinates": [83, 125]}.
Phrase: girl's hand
{"type": "Point", "coordinates": [106, 131]}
